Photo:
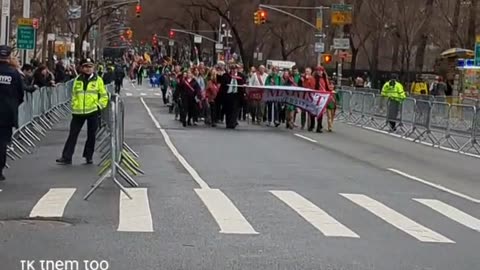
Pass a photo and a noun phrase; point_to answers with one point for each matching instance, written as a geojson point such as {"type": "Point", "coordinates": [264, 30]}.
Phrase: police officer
{"type": "Point", "coordinates": [393, 90]}
{"type": "Point", "coordinates": [11, 96]}
{"type": "Point", "coordinates": [89, 97]}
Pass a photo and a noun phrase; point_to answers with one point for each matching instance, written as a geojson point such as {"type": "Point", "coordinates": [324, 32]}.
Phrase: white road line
{"type": "Point", "coordinates": [157, 94]}
{"type": "Point", "coordinates": [227, 216]}
{"type": "Point", "coordinates": [437, 186]}
{"type": "Point", "coordinates": [314, 215]}
{"type": "Point", "coordinates": [174, 150]}
{"type": "Point", "coordinates": [135, 215]}
{"type": "Point", "coordinates": [143, 94]}
{"type": "Point", "coordinates": [398, 220]}
{"type": "Point", "coordinates": [452, 213]}
{"type": "Point", "coordinates": [305, 138]}
{"type": "Point", "coordinates": [53, 203]}
{"type": "Point", "coordinates": [129, 94]}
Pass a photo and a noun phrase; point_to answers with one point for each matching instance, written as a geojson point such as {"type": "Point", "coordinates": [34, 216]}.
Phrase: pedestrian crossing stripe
{"type": "Point", "coordinates": [53, 203]}
{"type": "Point", "coordinates": [143, 94]}
{"type": "Point", "coordinates": [135, 215]}
{"type": "Point", "coordinates": [129, 94]}
{"type": "Point", "coordinates": [452, 213]}
{"type": "Point", "coordinates": [398, 220]}
{"type": "Point", "coordinates": [314, 215]}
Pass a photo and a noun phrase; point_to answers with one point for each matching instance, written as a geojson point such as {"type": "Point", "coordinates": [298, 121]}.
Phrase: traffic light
{"type": "Point", "coordinates": [129, 34]}
{"type": "Point", "coordinates": [326, 58]}
{"type": "Point", "coordinates": [171, 35]}
{"type": "Point", "coordinates": [260, 17]}
{"type": "Point", "coordinates": [256, 18]}
{"type": "Point", "coordinates": [263, 16]}
{"type": "Point", "coordinates": [138, 10]}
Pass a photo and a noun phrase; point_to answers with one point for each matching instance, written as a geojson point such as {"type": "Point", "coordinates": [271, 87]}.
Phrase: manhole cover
{"type": "Point", "coordinates": [37, 223]}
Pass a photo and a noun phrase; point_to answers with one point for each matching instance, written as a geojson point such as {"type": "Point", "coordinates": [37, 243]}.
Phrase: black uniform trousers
{"type": "Point", "coordinates": [231, 106]}
{"type": "Point", "coordinates": [76, 126]}
{"type": "Point", "coordinates": [5, 139]}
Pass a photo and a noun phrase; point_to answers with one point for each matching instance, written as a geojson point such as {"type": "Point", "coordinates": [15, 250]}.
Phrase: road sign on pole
{"type": "Point", "coordinates": [319, 47]}
{"type": "Point", "coordinates": [319, 21]}
{"type": "Point", "coordinates": [341, 14]}
{"type": "Point", "coordinates": [26, 35]}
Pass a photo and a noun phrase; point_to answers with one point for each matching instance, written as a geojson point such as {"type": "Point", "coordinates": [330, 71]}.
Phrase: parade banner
{"type": "Point", "coordinates": [315, 102]}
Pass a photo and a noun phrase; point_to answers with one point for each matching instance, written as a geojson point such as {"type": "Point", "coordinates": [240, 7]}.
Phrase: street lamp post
{"type": "Point", "coordinates": [5, 23]}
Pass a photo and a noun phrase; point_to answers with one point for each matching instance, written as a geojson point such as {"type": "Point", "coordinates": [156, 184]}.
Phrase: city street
{"type": "Point", "coordinates": [251, 198]}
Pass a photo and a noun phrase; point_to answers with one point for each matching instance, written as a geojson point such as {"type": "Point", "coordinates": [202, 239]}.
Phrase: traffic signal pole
{"type": "Point", "coordinates": [26, 14]}
{"type": "Point", "coordinates": [319, 30]}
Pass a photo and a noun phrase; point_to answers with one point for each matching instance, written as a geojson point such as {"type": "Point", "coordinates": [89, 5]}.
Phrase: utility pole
{"type": "Point", "coordinates": [5, 23]}
{"type": "Point", "coordinates": [26, 14]}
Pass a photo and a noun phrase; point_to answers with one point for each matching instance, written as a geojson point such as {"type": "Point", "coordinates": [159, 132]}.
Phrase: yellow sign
{"type": "Point", "coordinates": [319, 24]}
{"type": "Point", "coordinates": [25, 21]}
{"type": "Point", "coordinates": [60, 49]}
{"type": "Point", "coordinates": [477, 39]}
{"type": "Point", "coordinates": [341, 17]}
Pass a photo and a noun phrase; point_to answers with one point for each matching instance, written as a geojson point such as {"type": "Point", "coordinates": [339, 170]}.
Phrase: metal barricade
{"type": "Point", "coordinates": [38, 113]}
{"type": "Point", "coordinates": [118, 158]}
{"type": "Point", "coordinates": [445, 122]}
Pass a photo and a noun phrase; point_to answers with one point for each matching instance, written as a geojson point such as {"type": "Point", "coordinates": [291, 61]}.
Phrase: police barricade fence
{"type": "Point", "coordinates": [117, 157]}
{"type": "Point", "coordinates": [434, 121]}
{"type": "Point", "coordinates": [39, 112]}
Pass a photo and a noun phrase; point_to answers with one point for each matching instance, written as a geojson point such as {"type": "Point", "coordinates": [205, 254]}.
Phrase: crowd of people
{"type": "Point", "coordinates": [217, 94]}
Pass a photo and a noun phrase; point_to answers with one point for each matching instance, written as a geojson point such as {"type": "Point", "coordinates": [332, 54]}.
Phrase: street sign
{"type": "Point", "coordinates": [319, 21]}
{"type": "Point", "coordinates": [25, 37]}
{"type": "Point", "coordinates": [5, 8]}
{"type": "Point", "coordinates": [218, 47]}
{"type": "Point", "coordinates": [171, 43]}
{"type": "Point", "coordinates": [341, 14]}
{"type": "Point", "coordinates": [35, 23]}
{"type": "Point", "coordinates": [319, 47]}
{"type": "Point", "coordinates": [197, 40]}
{"type": "Point", "coordinates": [260, 56]}
{"type": "Point", "coordinates": [50, 37]}
{"type": "Point", "coordinates": [25, 21]}
{"type": "Point", "coordinates": [341, 43]}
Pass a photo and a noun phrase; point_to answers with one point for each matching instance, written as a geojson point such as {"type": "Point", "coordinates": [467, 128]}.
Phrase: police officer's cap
{"type": "Point", "coordinates": [87, 62]}
{"type": "Point", "coordinates": [5, 52]}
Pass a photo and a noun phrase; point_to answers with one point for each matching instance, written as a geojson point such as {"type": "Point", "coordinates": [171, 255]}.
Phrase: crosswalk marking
{"type": "Point", "coordinates": [135, 215]}
{"type": "Point", "coordinates": [129, 94]}
{"type": "Point", "coordinates": [452, 213]}
{"type": "Point", "coordinates": [53, 203]}
{"type": "Point", "coordinates": [314, 215]}
{"type": "Point", "coordinates": [143, 94]}
{"type": "Point", "coordinates": [225, 213]}
{"type": "Point", "coordinates": [157, 94]}
{"type": "Point", "coordinates": [396, 219]}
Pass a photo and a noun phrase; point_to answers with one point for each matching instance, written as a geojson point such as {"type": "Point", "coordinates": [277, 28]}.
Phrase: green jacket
{"type": "Point", "coordinates": [90, 97]}
{"type": "Point", "coordinates": [275, 78]}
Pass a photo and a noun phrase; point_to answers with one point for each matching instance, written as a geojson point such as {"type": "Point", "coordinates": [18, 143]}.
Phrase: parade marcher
{"type": "Point", "coordinates": [393, 90]}
{"type": "Point", "coordinates": [288, 80]}
{"type": "Point", "coordinates": [210, 96]}
{"type": "Point", "coordinates": [243, 102]}
{"type": "Point", "coordinates": [11, 96]}
{"type": "Point", "coordinates": [189, 92]}
{"type": "Point", "coordinates": [89, 97]}
{"type": "Point", "coordinates": [229, 87]}
{"type": "Point", "coordinates": [308, 81]}
{"type": "Point", "coordinates": [273, 108]}
{"type": "Point", "coordinates": [257, 78]}
{"type": "Point", "coordinates": [321, 84]}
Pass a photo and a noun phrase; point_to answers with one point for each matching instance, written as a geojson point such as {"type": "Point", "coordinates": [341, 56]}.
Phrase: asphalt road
{"type": "Point", "coordinates": [251, 198]}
